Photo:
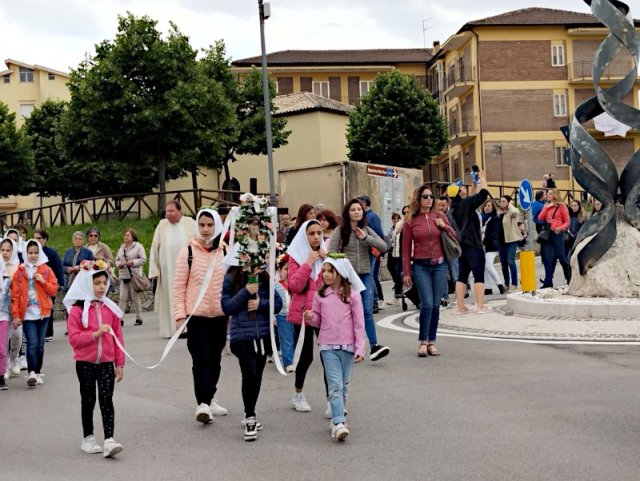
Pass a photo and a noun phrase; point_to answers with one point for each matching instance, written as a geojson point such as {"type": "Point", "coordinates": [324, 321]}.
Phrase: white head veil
{"type": "Point", "coordinates": [346, 270]}
{"type": "Point", "coordinates": [217, 224]}
{"type": "Point", "coordinates": [20, 244]}
{"type": "Point", "coordinates": [42, 257]}
{"type": "Point", "coordinates": [300, 248]}
{"type": "Point", "coordinates": [82, 290]}
{"type": "Point", "coordinates": [14, 260]}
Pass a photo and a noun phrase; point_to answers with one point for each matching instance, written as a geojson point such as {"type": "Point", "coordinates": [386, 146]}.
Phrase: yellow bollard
{"type": "Point", "coordinates": [527, 271]}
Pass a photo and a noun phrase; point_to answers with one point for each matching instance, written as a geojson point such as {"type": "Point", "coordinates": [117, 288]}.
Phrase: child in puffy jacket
{"type": "Point", "coordinates": [93, 321]}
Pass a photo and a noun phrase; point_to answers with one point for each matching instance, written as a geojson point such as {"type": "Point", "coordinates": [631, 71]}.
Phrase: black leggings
{"type": "Point", "coordinates": [306, 356]}
{"type": "Point", "coordinates": [252, 356]}
{"type": "Point", "coordinates": [206, 338]}
{"type": "Point", "coordinates": [104, 375]}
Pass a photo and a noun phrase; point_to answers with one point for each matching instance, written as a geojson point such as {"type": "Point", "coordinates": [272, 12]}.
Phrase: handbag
{"type": "Point", "coordinates": [545, 233]}
{"type": "Point", "coordinates": [139, 282]}
{"type": "Point", "coordinates": [450, 247]}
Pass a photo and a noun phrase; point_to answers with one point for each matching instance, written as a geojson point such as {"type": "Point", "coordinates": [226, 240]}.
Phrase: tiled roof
{"type": "Point", "coordinates": [307, 102]}
{"type": "Point", "coordinates": [10, 61]}
{"type": "Point", "coordinates": [537, 16]}
{"type": "Point", "coordinates": [340, 57]}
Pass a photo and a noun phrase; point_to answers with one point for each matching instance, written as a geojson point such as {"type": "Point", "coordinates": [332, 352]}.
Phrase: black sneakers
{"type": "Point", "coordinates": [378, 352]}
{"type": "Point", "coordinates": [3, 384]}
{"type": "Point", "coordinates": [250, 429]}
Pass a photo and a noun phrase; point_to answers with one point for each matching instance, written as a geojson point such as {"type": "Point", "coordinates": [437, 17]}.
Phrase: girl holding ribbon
{"type": "Point", "coordinates": [94, 321]}
{"type": "Point", "coordinates": [198, 264]}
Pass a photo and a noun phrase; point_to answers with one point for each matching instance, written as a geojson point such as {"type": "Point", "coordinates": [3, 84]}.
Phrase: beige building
{"type": "Point", "coordinates": [507, 84]}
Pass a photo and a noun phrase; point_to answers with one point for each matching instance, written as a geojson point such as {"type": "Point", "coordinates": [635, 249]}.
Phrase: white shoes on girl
{"type": "Point", "coordinates": [90, 445]}
{"type": "Point", "coordinates": [111, 448]}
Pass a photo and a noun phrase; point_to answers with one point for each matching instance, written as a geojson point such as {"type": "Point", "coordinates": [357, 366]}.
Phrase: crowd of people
{"type": "Point", "coordinates": [327, 289]}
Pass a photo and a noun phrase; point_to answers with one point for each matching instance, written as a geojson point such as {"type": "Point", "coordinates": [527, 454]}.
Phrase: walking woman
{"type": "Point", "coordinates": [422, 256]}
{"type": "Point", "coordinates": [207, 333]}
{"type": "Point", "coordinates": [99, 249]}
{"type": "Point", "coordinates": [577, 218]}
{"type": "Point", "coordinates": [73, 256]}
{"type": "Point", "coordinates": [328, 222]}
{"type": "Point", "coordinates": [305, 212]}
{"type": "Point", "coordinates": [556, 215]}
{"type": "Point", "coordinates": [393, 259]}
{"type": "Point", "coordinates": [356, 239]}
{"type": "Point", "coordinates": [130, 259]}
{"type": "Point", "coordinates": [509, 235]}
{"type": "Point", "coordinates": [306, 254]}
{"type": "Point", "coordinates": [490, 228]}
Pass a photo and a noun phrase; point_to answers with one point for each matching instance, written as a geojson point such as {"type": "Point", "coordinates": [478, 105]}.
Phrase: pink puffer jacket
{"type": "Point", "coordinates": [186, 285]}
{"type": "Point", "coordinates": [302, 289]}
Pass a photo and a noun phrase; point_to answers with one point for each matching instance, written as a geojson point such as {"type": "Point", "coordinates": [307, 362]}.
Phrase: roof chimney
{"type": "Point", "coordinates": [436, 46]}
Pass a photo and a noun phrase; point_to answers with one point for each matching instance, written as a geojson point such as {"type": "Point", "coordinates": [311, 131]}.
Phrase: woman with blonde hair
{"type": "Point", "coordinates": [556, 216]}
{"type": "Point", "coordinates": [424, 262]}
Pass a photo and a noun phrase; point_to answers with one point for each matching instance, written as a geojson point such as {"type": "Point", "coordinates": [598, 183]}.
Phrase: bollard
{"type": "Point", "coordinates": [527, 271]}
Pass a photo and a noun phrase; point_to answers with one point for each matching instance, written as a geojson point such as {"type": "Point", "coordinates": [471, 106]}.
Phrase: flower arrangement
{"type": "Point", "coordinates": [337, 255]}
{"type": "Point", "coordinates": [253, 231]}
{"type": "Point", "coordinates": [98, 265]}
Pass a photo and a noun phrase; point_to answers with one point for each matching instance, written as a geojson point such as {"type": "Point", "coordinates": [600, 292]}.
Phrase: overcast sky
{"type": "Point", "coordinates": [58, 33]}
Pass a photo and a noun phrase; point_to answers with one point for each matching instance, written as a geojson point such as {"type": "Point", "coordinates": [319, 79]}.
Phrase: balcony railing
{"type": "Point", "coordinates": [461, 126]}
{"type": "Point", "coordinates": [460, 75]}
{"type": "Point", "coordinates": [583, 70]}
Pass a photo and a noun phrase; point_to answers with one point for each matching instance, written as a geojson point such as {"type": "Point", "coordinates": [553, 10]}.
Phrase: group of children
{"type": "Point", "coordinates": [212, 290]}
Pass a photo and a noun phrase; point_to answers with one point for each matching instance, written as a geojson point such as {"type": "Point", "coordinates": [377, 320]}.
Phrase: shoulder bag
{"type": "Point", "coordinates": [139, 282]}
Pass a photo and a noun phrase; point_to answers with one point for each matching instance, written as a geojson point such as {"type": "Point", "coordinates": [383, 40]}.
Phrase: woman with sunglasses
{"type": "Point", "coordinates": [99, 249]}
{"type": "Point", "coordinates": [424, 262]}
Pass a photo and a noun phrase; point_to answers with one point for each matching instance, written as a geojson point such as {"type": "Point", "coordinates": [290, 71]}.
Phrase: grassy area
{"type": "Point", "coordinates": [111, 233]}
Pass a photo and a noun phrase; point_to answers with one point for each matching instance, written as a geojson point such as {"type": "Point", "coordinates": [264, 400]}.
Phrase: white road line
{"type": "Point", "coordinates": [387, 322]}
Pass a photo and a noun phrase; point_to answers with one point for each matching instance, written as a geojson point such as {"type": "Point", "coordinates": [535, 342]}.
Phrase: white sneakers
{"type": "Point", "coordinates": [39, 379]}
{"type": "Point", "coordinates": [300, 404]}
{"type": "Point", "coordinates": [290, 368]}
{"type": "Point", "coordinates": [22, 363]}
{"type": "Point", "coordinates": [32, 380]}
{"type": "Point", "coordinates": [15, 368]}
{"type": "Point", "coordinates": [90, 445]}
{"type": "Point", "coordinates": [111, 448]}
{"type": "Point", "coordinates": [218, 410]}
{"type": "Point", "coordinates": [203, 414]}
{"type": "Point", "coordinates": [339, 431]}
{"type": "Point", "coordinates": [250, 429]}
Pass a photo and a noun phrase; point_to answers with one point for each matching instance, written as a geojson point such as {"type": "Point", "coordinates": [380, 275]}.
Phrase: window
{"type": "Point", "coordinates": [321, 89]}
{"type": "Point", "coordinates": [25, 110]}
{"type": "Point", "coordinates": [52, 76]}
{"type": "Point", "coordinates": [560, 104]}
{"type": "Point", "coordinates": [7, 79]}
{"type": "Point", "coordinates": [26, 74]}
{"type": "Point", "coordinates": [365, 86]}
{"type": "Point", "coordinates": [557, 55]}
{"type": "Point", "coordinates": [560, 150]}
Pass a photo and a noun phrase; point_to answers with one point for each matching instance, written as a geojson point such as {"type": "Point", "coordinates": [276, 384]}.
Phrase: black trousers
{"type": "Point", "coordinates": [252, 356]}
{"type": "Point", "coordinates": [306, 356]}
{"type": "Point", "coordinates": [395, 269]}
{"type": "Point", "coordinates": [90, 374]}
{"type": "Point", "coordinates": [49, 332]}
{"type": "Point", "coordinates": [206, 337]}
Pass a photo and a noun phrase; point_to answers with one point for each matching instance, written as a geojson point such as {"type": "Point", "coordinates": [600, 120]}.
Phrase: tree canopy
{"type": "Point", "coordinates": [396, 123]}
{"type": "Point", "coordinates": [142, 111]}
{"type": "Point", "coordinates": [17, 171]}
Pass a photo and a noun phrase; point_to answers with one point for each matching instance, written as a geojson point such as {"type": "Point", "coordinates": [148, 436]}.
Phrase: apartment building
{"type": "Point", "coordinates": [342, 75]}
{"type": "Point", "coordinates": [506, 85]}
{"type": "Point", "coordinates": [25, 86]}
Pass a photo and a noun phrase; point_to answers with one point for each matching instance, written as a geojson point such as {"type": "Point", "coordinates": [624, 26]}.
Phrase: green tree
{"type": "Point", "coordinates": [17, 171]}
{"type": "Point", "coordinates": [142, 112]}
{"type": "Point", "coordinates": [396, 123]}
{"type": "Point", "coordinates": [248, 136]}
{"type": "Point", "coordinates": [42, 127]}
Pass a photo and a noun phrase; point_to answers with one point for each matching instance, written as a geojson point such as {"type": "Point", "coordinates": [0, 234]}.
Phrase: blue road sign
{"type": "Point", "coordinates": [525, 194]}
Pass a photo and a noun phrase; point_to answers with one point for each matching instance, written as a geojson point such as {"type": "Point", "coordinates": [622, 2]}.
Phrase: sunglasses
{"type": "Point", "coordinates": [37, 238]}
{"type": "Point", "coordinates": [428, 196]}
{"type": "Point", "coordinates": [93, 235]}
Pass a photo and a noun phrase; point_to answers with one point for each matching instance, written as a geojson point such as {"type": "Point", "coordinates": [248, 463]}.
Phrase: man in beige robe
{"type": "Point", "coordinates": [173, 232]}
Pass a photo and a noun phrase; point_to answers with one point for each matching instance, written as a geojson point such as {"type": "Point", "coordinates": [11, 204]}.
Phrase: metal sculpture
{"type": "Point", "coordinates": [592, 167]}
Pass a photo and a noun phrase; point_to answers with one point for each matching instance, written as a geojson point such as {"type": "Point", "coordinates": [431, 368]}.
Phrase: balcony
{"type": "Point", "coordinates": [581, 72]}
{"type": "Point", "coordinates": [462, 130]}
{"type": "Point", "coordinates": [459, 80]}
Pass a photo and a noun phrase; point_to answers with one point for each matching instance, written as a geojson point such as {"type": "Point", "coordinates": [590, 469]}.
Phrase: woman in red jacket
{"type": "Point", "coordinates": [424, 263]}
{"type": "Point", "coordinates": [33, 286]}
{"type": "Point", "coordinates": [556, 216]}
{"type": "Point", "coordinates": [306, 253]}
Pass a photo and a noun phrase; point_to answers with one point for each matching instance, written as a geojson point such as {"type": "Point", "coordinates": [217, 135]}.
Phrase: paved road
{"type": "Point", "coordinates": [484, 410]}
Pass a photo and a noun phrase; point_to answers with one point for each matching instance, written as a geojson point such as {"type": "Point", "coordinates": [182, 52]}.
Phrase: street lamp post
{"type": "Point", "coordinates": [265, 12]}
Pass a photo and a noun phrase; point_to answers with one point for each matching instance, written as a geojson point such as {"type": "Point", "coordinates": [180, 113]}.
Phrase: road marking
{"type": "Point", "coordinates": [388, 323]}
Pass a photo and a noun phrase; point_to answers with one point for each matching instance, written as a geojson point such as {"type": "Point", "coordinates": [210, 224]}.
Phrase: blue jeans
{"type": "Point", "coordinates": [507, 253]}
{"type": "Point", "coordinates": [338, 365]}
{"type": "Point", "coordinates": [431, 281]}
{"type": "Point", "coordinates": [374, 268]}
{"type": "Point", "coordinates": [34, 332]}
{"type": "Point", "coordinates": [452, 268]}
{"type": "Point", "coordinates": [285, 334]}
{"type": "Point", "coordinates": [554, 251]}
{"type": "Point", "coordinates": [367, 304]}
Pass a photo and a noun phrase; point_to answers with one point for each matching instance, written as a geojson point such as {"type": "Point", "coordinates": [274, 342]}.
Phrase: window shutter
{"type": "Point", "coordinates": [335, 89]}
{"type": "Point", "coordinates": [353, 86]}
{"type": "Point", "coordinates": [285, 85]}
{"type": "Point", "coordinates": [306, 84]}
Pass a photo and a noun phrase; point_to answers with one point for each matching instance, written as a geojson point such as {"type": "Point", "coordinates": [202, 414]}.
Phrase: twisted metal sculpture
{"type": "Point", "coordinates": [592, 167]}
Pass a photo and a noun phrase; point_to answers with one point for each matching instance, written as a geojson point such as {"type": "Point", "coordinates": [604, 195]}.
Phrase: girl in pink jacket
{"type": "Point", "coordinates": [337, 310]}
{"type": "Point", "coordinates": [93, 321]}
